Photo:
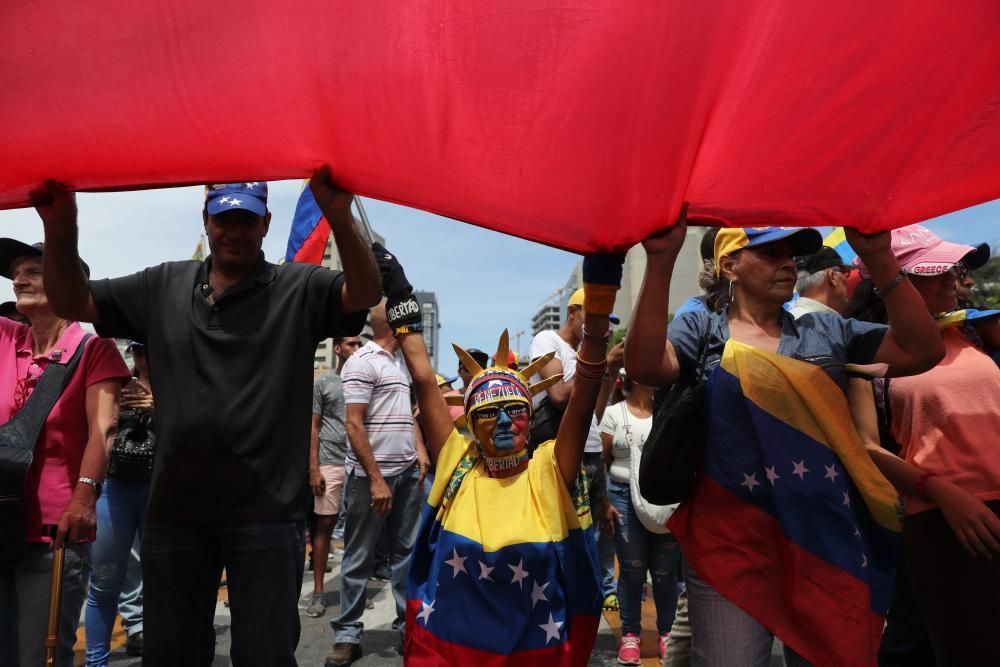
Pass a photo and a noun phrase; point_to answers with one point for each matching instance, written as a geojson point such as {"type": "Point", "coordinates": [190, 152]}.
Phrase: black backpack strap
{"type": "Point", "coordinates": [23, 430]}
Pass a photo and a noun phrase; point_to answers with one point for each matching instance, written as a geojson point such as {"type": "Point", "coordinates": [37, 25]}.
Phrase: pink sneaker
{"type": "Point", "coordinates": [663, 644]}
{"type": "Point", "coordinates": [628, 650]}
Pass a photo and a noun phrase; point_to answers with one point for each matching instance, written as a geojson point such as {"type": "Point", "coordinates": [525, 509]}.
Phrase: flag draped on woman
{"type": "Point", "coordinates": [504, 572]}
{"type": "Point", "coordinates": [790, 520]}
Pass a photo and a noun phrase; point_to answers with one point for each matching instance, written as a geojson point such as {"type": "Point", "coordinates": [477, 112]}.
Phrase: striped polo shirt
{"type": "Point", "coordinates": [378, 379]}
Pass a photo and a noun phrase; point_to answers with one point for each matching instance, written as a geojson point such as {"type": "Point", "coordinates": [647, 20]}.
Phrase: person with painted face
{"type": "Point", "coordinates": [505, 568]}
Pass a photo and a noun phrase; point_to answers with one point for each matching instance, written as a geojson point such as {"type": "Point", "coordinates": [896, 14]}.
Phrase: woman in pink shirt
{"type": "Point", "coordinates": [70, 458]}
{"type": "Point", "coordinates": [946, 423]}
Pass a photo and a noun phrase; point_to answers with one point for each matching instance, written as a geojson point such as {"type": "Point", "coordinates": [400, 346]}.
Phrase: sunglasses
{"type": "Point", "coordinates": [512, 409]}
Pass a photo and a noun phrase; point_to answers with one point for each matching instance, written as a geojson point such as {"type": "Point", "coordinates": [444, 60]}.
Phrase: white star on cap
{"type": "Point", "coordinates": [520, 574]}
{"type": "Point", "coordinates": [484, 571]}
{"type": "Point", "coordinates": [771, 475]}
{"type": "Point", "coordinates": [831, 473]}
{"type": "Point", "coordinates": [426, 610]}
{"type": "Point", "coordinates": [538, 593]}
{"type": "Point", "coordinates": [234, 201]}
{"type": "Point", "coordinates": [750, 481]}
{"type": "Point", "coordinates": [251, 186]}
{"type": "Point", "coordinates": [800, 469]}
{"type": "Point", "coordinates": [223, 200]}
{"type": "Point", "coordinates": [551, 629]}
{"type": "Point", "coordinates": [457, 562]}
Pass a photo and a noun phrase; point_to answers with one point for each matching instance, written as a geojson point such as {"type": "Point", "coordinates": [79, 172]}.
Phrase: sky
{"type": "Point", "coordinates": [124, 232]}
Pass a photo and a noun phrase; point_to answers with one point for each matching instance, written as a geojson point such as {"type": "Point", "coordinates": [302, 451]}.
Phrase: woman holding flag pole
{"type": "Point", "coordinates": [505, 569]}
{"type": "Point", "coordinates": [788, 530]}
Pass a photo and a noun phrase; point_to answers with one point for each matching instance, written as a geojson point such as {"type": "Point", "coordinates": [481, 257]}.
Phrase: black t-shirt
{"type": "Point", "coordinates": [232, 382]}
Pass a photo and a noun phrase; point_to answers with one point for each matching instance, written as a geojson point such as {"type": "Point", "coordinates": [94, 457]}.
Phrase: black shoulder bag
{"type": "Point", "coordinates": [669, 460]}
{"type": "Point", "coordinates": [17, 450]}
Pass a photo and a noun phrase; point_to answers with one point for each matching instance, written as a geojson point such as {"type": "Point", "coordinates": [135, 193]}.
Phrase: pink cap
{"type": "Point", "coordinates": [921, 252]}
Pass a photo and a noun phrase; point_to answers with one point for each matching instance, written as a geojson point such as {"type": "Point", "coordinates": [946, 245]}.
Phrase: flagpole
{"type": "Point", "coordinates": [365, 225]}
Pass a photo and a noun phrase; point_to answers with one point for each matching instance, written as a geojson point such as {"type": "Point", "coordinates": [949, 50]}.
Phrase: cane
{"type": "Point", "coordinates": [55, 597]}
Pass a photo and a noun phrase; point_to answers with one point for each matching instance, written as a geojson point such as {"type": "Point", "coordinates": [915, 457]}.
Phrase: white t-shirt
{"type": "Point", "coordinates": [545, 342]}
{"type": "Point", "coordinates": [380, 380]}
{"type": "Point", "coordinates": [624, 428]}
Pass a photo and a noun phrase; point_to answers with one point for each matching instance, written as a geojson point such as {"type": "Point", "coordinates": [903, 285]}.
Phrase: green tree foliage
{"type": "Point", "coordinates": [987, 278]}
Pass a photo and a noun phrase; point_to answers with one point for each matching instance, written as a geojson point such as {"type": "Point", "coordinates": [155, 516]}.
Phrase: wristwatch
{"type": "Point", "coordinates": [92, 483]}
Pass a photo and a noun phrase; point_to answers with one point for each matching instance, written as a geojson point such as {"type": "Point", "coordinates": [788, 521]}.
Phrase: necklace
{"type": "Point", "coordinates": [499, 464]}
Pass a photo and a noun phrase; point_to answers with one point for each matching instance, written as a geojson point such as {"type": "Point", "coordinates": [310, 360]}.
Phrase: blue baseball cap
{"type": "Point", "coordinates": [805, 240]}
{"type": "Point", "coordinates": [221, 197]}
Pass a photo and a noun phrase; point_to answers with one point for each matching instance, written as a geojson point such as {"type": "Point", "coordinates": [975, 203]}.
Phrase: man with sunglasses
{"type": "Point", "coordinates": [822, 283]}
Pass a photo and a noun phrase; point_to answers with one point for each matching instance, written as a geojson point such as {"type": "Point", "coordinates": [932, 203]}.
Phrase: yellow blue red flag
{"type": "Point", "coordinates": [790, 520]}
{"type": "Point", "coordinates": [505, 571]}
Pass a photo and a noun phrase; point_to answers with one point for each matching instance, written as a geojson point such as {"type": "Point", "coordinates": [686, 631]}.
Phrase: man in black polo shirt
{"type": "Point", "coordinates": [230, 344]}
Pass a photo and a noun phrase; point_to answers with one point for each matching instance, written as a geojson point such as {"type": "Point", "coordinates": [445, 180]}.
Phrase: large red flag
{"type": "Point", "coordinates": [578, 123]}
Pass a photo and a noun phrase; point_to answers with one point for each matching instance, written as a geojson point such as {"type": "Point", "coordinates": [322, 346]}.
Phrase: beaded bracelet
{"type": "Point", "coordinates": [590, 372]}
{"type": "Point", "coordinates": [881, 293]}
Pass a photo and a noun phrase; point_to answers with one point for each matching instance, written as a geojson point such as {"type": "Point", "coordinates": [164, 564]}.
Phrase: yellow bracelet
{"type": "Point", "coordinates": [592, 364]}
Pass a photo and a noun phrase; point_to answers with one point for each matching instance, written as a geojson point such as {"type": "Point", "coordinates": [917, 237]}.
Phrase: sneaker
{"type": "Point", "coordinates": [316, 607]}
{"type": "Point", "coordinates": [343, 654]}
{"type": "Point", "coordinates": [628, 650]}
{"type": "Point", "coordinates": [611, 602]}
{"type": "Point", "coordinates": [133, 647]}
{"type": "Point", "coordinates": [663, 644]}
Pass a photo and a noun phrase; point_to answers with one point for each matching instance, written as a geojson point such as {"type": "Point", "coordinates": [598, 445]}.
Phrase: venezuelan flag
{"type": "Point", "coordinates": [310, 233]}
{"type": "Point", "coordinates": [837, 240]}
{"type": "Point", "coordinates": [505, 571]}
{"type": "Point", "coordinates": [790, 520]}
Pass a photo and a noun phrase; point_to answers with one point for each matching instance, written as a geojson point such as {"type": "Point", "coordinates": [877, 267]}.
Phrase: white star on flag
{"type": "Point", "coordinates": [864, 560]}
{"type": "Point", "coordinates": [234, 201]}
{"type": "Point", "coordinates": [750, 481]}
{"type": "Point", "coordinates": [831, 473]}
{"type": "Point", "coordinates": [538, 593]}
{"type": "Point", "coordinates": [800, 469]}
{"type": "Point", "coordinates": [551, 629]}
{"type": "Point", "coordinates": [484, 571]}
{"type": "Point", "coordinates": [847, 500]}
{"type": "Point", "coordinates": [857, 532]}
{"type": "Point", "coordinates": [457, 562]}
{"type": "Point", "coordinates": [771, 475]}
{"type": "Point", "coordinates": [520, 574]}
{"type": "Point", "coordinates": [425, 611]}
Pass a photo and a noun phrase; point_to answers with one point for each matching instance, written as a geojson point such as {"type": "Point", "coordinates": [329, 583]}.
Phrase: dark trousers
{"type": "Point", "coordinates": [958, 595]}
{"type": "Point", "coordinates": [182, 566]}
{"type": "Point", "coordinates": [905, 642]}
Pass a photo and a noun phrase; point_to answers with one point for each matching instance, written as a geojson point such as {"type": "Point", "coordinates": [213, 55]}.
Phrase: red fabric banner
{"type": "Point", "coordinates": [578, 123]}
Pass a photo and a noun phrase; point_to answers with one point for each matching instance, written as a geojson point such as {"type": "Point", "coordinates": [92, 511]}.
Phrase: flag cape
{"type": "Point", "coordinates": [310, 232]}
{"type": "Point", "coordinates": [583, 124]}
{"type": "Point", "coordinates": [505, 570]}
{"type": "Point", "coordinates": [784, 519]}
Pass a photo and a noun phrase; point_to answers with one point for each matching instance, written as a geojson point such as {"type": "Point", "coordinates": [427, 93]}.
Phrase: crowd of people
{"type": "Point", "coordinates": [498, 508]}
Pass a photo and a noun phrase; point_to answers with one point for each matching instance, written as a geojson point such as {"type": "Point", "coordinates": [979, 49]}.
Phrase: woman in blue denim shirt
{"type": "Point", "coordinates": [755, 275]}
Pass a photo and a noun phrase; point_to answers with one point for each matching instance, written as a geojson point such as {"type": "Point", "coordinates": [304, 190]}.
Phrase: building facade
{"type": "Point", "coordinates": [432, 323]}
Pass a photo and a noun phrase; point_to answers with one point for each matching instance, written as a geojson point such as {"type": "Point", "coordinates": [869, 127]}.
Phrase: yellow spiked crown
{"type": "Point", "coordinates": [500, 383]}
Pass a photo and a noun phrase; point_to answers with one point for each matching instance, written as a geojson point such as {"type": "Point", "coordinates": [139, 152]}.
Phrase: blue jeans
{"type": "Point", "coordinates": [361, 532]}
{"type": "Point", "coordinates": [639, 551]}
{"type": "Point", "coordinates": [130, 601]}
{"type": "Point", "coordinates": [597, 477]}
{"type": "Point", "coordinates": [24, 605]}
{"type": "Point", "coordinates": [182, 566]}
{"type": "Point", "coordinates": [120, 511]}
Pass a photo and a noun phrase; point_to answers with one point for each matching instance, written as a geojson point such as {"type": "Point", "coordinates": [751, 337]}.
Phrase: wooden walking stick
{"type": "Point", "coordinates": [55, 597]}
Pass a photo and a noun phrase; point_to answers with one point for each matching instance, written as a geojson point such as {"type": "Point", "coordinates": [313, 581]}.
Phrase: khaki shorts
{"type": "Point", "coordinates": [329, 503]}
